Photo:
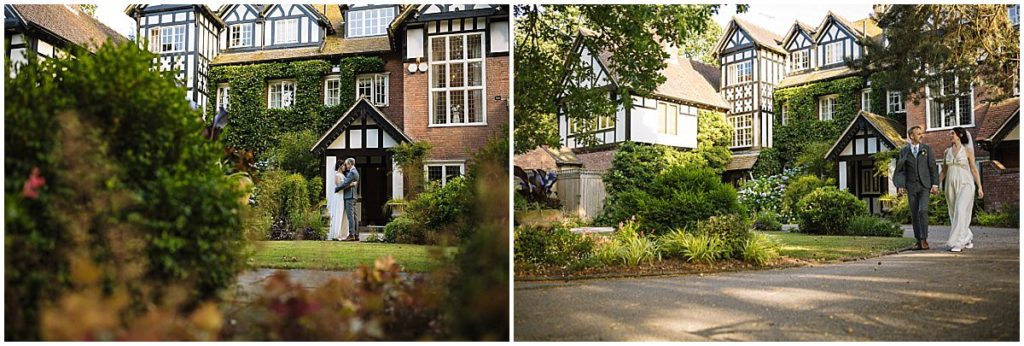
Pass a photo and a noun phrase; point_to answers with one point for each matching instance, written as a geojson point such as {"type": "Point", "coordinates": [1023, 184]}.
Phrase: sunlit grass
{"type": "Point", "coordinates": [334, 255]}
{"type": "Point", "coordinates": [835, 248]}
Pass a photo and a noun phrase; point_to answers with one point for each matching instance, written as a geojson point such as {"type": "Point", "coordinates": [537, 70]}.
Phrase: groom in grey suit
{"type": "Point", "coordinates": [917, 175]}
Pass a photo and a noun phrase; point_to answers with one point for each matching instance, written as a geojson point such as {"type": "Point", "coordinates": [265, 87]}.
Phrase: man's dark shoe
{"type": "Point", "coordinates": [924, 245]}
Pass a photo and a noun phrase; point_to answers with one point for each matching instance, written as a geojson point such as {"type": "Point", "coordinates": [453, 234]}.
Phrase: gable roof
{"type": "Point", "coordinates": [685, 79]}
{"type": "Point", "coordinates": [1000, 118]}
{"type": "Point", "coordinates": [797, 27]}
{"type": "Point", "coordinates": [79, 28]}
{"type": "Point", "coordinates": [741, 162]}
{"type": "Point", "coordinates": [546, 158]}
{"type": "Point", "coordinates": [889, 130]}
{"type": "Point", "coordinates": [865, 28]}
{"type": "Point", "coordinates": [815, 76]}
{"type": "Point", "coordinates": [132, 10]}
{"type": "Point", "coordinates": [761, 36]}
{"type": "Point", "coordinates": [362, 108]}
{"type": "Point", "coordinates": [321, 18]}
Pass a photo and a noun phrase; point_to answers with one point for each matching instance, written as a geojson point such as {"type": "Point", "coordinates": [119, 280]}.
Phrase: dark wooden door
{"type": "Point", "coordinates": [374, 194]}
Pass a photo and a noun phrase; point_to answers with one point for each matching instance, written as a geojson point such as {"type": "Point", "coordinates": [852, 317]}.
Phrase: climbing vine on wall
{"type": "Point", "coordinates": [256, 127]}
{"type": "Point", "coordinates": [803, 126]}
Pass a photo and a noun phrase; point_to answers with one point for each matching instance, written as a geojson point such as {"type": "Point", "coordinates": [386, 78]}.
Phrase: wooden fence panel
{"type": "Point", "coordinates": [581, 192]}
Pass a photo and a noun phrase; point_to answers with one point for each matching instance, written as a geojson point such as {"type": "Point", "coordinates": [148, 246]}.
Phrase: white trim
{"type": "Point", "coordinates": [888, 102]}
{"type": "Point", "coordinates": [805, 62]}
{"type": "Point", "coordinates": [377, 81]}
{"type": "Point", "coordinates": [928, 113]}
{"type": "Point", "coordinates": [359, 23]}
{"type": "Point", "coordinates": [285, 102]}
{"type": "Point", "coordinates": [222, 96]}
{"type": "Point", "coordinates": [174, 36]}
{"type": "Point", "coordinates": [234, 29]}
{"type": "Point", "coordinates": [832, 99]}
{"type": "Point", "coordinates": [734, 120]}
{"type": "Point", "coordinates": [327, 91]}
{"type": "Point", "coordinates": [836, 48]}
{"type": "Point", "coordinates": [281, 25]}
{"type": "Point", "coordinates": [865, 99]}
{"type": "Point", "coordinates": [444, 164]}
{"type": "Point", "coordinates": [446, 64]}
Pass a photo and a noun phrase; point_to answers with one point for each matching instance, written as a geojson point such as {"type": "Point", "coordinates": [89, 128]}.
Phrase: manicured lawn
{"type": "Point", "coordinates": [835, 248]}
{"type": "Point", "coordinates": [335, 255]}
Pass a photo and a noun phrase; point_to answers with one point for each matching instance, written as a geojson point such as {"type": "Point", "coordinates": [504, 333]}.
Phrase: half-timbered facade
{"type": "Point", "coordinates": [865, 136]}
{"type": "Point", "coordinates": [445, 78]}
{"type": "Point", "coordinates": [668, 116]}
{"type": "Point", "coordinates": [752, 64]}
{"type": "Point", "coordinates": [185, 39]}
{"type": "Point", "coordinates": [50, 31]}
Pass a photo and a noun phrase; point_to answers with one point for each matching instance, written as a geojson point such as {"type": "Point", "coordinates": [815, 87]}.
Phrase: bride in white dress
{"type": "Point", "coordinates": [336, 206]}
{"type": "Point", "coordinates": [960, 176]}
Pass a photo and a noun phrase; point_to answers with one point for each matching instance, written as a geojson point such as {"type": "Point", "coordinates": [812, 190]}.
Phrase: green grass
{"type": "Point", "coordinates": [334, 255]}
{"type": "Point", "coordinates": [835, 248]}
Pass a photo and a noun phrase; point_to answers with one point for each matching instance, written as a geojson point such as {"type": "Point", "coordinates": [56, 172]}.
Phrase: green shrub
{"type": "Point", "coordinates": [638, 249]}
{"type": "Point", "coordinates": [732, 229]}
{"type": "Point", "coordinates": [607, 251]}
{"type": "Point", "coordinates": [767, 221]}
{"type": "Point", "coordinates": [403, 230]}
{"type": "Point", "coordinates": [441, 211]}
{"type": "Point", "coordinates": [636, 165]}
{"type": "Point", "coordinates": [673, 244]}
{"type": "Point", "coordinates": [867, 225]}
{"type": "Point", "coordinates": [760, 250]}
{"type": "Point", "coordinates": [701, 247]}
{"type": "Point", "coordinates": [676, 198]}
{"type": "Point", "coordinates": [828, 210]}
{"type": "Point", "coordinates": [938, 213]}
{"type": "Point", "coordinates": [551, 246]}
{"type": "Point", "coordinates": [763, 193]}
{"type": "Point", "coordinates": [798, 188]}
{"type": "Point", "coordinates": [767, 163]}
{"type": "Point", "coordinates": [292, 154]}
{"type": "Point", "coordinates": [1009, 217]}
{"type": "Point", "coordinates": [182, 203]}
{"type": "Point", "coordinates": [285, 198]}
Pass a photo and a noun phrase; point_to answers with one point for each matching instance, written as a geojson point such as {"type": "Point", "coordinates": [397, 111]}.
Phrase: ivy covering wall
{"type": "Point", "coordinates": [255, 127]}
{"type": "Point", "coordinates": [803, 127]}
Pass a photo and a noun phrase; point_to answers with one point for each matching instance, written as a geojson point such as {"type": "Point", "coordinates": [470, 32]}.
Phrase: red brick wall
{"type": "Point", "coordinates": [395, 109]}
{"type": "Point", "coordinates": [939, 140]}
{"type": "Point", "coordinates": [1001, 187]}
{"type": "Point", "coordinates": [456, 142]}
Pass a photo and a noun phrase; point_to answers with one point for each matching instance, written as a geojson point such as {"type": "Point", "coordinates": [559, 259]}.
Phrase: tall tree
{"type": "Point", "coordinates": [702, 47]}
{"type": "Point", "coordinates": [631, 35]}
{"type": "Point", "coordinates": [968, 44]}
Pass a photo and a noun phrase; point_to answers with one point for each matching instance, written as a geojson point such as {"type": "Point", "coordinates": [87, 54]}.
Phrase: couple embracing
{"type": "Point", "coordinates": [916, 175]}
{"type": "Point", "coordinates": [342, 202]}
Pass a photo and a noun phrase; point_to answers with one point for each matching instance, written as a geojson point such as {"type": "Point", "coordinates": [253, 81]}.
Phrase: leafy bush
{"type": "Point", "coordinates": [182, 203]}
{"type": "Point", "coordinates": [695, 247]}
{"type": "Point", "coordinates": [678, 197]}
{"type": "Point", "coordinates": [767, 221]}
{"type": "Point", "coordinates": [403, 230]}
{"type": "Point", "coordinates": [768, 163]}
{"type": "Point", "coordinates": [938, 213]}
{"type": "Point", "coordinates": [828, 210]}
{"type": "Point", "coordinates": [551, 246]}
{"type": "Point", "coordinates": [813, 160]}
{"type": "Point", "coordinates": [638, 249]}
{"type": "Point", "coordinates": [867, 225]}
{"type": "Point", "coordinates": [607, 251]}
{"type": "Point", "coordinates": [1009, 216]}
{"type": "Point", "coordinates": [798, 188]}
{"type": "Point", "coordinates": [732, 229]}
{"type": "Point", "coordinates": [764, 193]}
{"type": "Point", "coordinates": [291, 153]}
{"type": "Point", "coordinates": [714, 136]}
{"type": "Point", "coordinates": [636, 165]}
{"type": "Point", "coordinates": [760, 250]}
{"type": "Point", "coordinates": [441, 211]}
{"type": "Point", "coordinates": [285, 198]}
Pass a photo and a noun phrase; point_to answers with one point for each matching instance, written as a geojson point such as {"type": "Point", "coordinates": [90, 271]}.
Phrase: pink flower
{"type": "Point", "coordinates": [32, 185]}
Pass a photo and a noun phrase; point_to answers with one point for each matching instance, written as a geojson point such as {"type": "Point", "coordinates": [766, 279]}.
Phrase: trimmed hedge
{"type": "Point", "coordinates": [828, 210]}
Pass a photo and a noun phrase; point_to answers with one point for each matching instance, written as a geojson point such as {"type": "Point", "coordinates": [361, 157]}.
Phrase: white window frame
{"type": "Point", "coordinates": [444, 169]}
{"type": "Point", "coordinates": [223, 100]}
{"type": "Point", "coordinates": [800, 60]}
{"type": "Point", "coordinates": [784, 116]}
{"type": "Point", "coordinates": [944, 126]}
{"type": "Point", "coordinates": [280, 84]}
{"type": "Point", "coordinates": [177, 35]}
{"type": "Point", "coordinates": [735, 72]}
{"type": "Point", "coordinates": [604, 122]}
{"type": "Point", "coordinates": [291, 25]}
{"type": "Point", "coordinates": [372, 22]}
{"type": "Point", "coordinates": [447, 88]}
{"type": "Point", "coordinates": [899, 106]}
{"type": "Point", "coordinates": [665, 126]}
{"type": "Point", "coordinates": [240, 30]}
{"type": "Point", "coordinates": [742, 136]}
{"type": "Point", "coordinates": [332, 94]}
{"type": "Point", "coordinates": [827, 102]}
{"type": "Point", "coordinates": [865, 100]}
{"type": "Point", "coordinates": [378, 88]}
{"type": "Point", "coordinates": [833, 53]}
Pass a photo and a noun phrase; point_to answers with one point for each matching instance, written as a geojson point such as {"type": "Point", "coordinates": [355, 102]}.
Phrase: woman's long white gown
{"type": "Point", "coordinates": [336, 207]}
{"type": "Point", "coordinates": [959, 197]}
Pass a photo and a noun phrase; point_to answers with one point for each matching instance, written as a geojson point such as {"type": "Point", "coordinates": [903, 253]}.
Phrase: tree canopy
{"type": "Point", "coordinates": [632, 36]}
{"type": "Point", "coordinates": [925, 44]}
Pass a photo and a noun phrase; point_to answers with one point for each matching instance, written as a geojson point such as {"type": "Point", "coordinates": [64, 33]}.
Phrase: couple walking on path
{"type": "Point", "coordinates": [342, 202]}
{"type": "Point", "coordinates": [916, 175]}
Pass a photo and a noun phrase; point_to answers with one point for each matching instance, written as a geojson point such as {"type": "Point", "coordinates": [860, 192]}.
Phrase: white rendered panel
{"type": "Point", "coordinates": [414, 43]}
{"type": "Point", "coordinates": [842, 175]}
{"type": "Point", "coordinates": [499, 37]}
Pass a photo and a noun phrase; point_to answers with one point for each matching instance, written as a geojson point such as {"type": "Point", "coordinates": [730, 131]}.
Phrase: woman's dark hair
{"type": "Point", "coordinates": [337, 166]}
{"type": "Point", "coordinates": [960, 132]}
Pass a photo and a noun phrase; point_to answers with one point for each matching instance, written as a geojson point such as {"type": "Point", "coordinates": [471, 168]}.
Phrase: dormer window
{"type": "Point", "coordinates": [373, 22]}
{"type": "Point", "coordinates": [287, 31]}
{"type": "Point", "coordinates": [241, 35]}
{"type": "Point", "coordinates": [834, 53]}
{"type": "Point", "coordinates": [799, 61]}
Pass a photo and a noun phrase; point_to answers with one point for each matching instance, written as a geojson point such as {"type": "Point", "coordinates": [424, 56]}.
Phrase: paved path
{"type": "Point", "coordinates": [920, 295]}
